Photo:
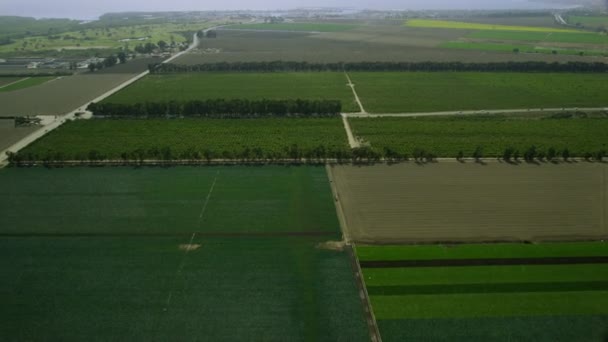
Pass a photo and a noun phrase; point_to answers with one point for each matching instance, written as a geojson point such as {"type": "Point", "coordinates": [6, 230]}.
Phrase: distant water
{"type": "Point", "coordinates": [477, 5]}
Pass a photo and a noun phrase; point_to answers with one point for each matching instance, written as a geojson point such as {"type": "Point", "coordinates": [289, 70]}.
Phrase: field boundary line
{"type": "Point", "coordinates": [370, 317]}
{"type": "Point", "coordinates": [604, 203]}
{"type": "Point", "coordinates": [200, 217]}
{"type": "Point", "coordinates": [352, 86]}
{"type": "Point", "coordinates": [479, 112]}
{"type": "Point", "coordinates": [17, 81]}
{"type": "Point", "coordinates": [484, 262]}
{"type": "Point", "coordinates": [183, 261]}
{"type": "Point", "coordinates": [338, 204]}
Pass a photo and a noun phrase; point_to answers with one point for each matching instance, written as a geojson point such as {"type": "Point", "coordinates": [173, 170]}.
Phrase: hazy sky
{"type": "Point", "coordinates": [88, 9]}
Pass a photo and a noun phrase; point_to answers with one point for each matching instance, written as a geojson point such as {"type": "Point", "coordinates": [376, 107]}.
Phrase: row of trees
{"type": "Point", "coordinates": [293, 153]}
{"type": "Point", "coordinates": [159, 68]}
{"type": "Point", "coordinates": [109, 62]}
{"type": "Point", "coordinates": [220, 108]}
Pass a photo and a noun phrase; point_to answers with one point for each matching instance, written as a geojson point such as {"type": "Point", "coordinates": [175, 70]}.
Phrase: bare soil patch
{"type": "Point", "coordinates": [453, 202]}
{"type": "Point", "coordinates": [332, 245]}
{"type": "Point", "coordinates": [188, 247]}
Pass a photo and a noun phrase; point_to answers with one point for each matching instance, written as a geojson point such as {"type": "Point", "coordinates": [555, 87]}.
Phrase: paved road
{"type": "Point", "coordinates": [72, 115]}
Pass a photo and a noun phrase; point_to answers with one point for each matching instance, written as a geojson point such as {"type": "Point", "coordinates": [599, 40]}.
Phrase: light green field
{"type": "Point", "coordinates": [428, 23]}
{"type": "Point", "coordinates": [26, 83]}
{"type": "Point", "coordinates": [302, 27]}
{"type": "Point", "coordinates": [550, 302]}
{"type": "Point", "coordinates": [402, 92]}
{"type": "Point", "coordinates": [252, 86]}
{"type": "Point", "coordinates": [522, 48]}
{"type": "Point", "coordinates": [551, 37]}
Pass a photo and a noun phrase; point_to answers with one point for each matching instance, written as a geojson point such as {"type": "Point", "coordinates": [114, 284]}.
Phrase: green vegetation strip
{"type": "Point", "coordinates": [470, 251]}
{"type": "Point", "coordinates": [303, 27]}
{"type": "Point", "coordinates": [485, 275]}
{"type": "Point", "coordinates": [251, 86]}
{"type": "Point", "coordinates": [26, 83]}
{"type": "Point", "coordinates": [191, 139]}
{"type": "Point", "coordinates": [552, 37]}
{"type": "Point", "coordinates": [491, 305]}
{"type": "Point", "coordinates": [448, 136]}
{"type": "Point", "coordinates": [523, 48]}
{"type": "Point", "coordinates": [403, 92]}
{"type": "Point", "coordinates": [484, 262]}
{"type": "Point", "coordinates": [550, 328]}
{"type": "Point", "coordinates": [486, 288]}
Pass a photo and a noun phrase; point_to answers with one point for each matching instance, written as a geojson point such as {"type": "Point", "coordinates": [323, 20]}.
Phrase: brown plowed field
{"type": "Point", "coordinates": [60, 96]}
{"type": "Point", "coordinates": [453, 202]}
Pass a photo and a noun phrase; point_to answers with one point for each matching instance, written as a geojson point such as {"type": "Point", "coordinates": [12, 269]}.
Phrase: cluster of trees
{"type": "Point", "coordinates": [220, 108]}
{"type": "Point", "coordinates": [110, 61]}
{"type": "Point", "coordinates": [383, 66]}
{"type": "Point", "coordinates": [145, 48]}
{"type": "Point", "coordinates": [293, 153]}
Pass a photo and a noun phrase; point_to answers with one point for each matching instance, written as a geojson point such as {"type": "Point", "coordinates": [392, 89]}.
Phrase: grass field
{"type": "Point", "coordinates": [222, 138]}
{"type": "Point", "coordinates": [450, 91]}
{"type": "Point", "coordinates": [165, 254]}
{"type": "Point", "coordinates": [446, 136]}
{"type": "Point", "coordinates": [302, 27]}
{"type": "Point", "coordinates": [428, 23]}
{"type": "Point", "coordinates": [588, 20]}
{"type": "Point", "coordinates": [26, 83]}
{"type": "Point", "coordinates": [551, 37]}
{"type": "Point", "coordinates": [253, 86]}
{"type": "Point", "coordinates": [478, 202]}
{"type": "Point", "coordinates": [522, 48]}
{"type": "Point", "coordinates": [553, 302]}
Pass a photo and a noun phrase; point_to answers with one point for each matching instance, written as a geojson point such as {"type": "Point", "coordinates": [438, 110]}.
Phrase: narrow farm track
{"type": "Point", "coordinates": [72, 115]}
{"type": "Point", "coordinates": [352, 141]}
{"type": "Point", "coordinates": [352, 86]}
{"type": "Point", "coordinates": [17, 81]}
{"type": "Point", "coordinates": [476, 112]}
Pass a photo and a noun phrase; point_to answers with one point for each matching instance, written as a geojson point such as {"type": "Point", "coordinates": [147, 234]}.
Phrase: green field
{"type": "Point", "coordinates": [522, 48]}
{"type": "Point", "coordinates": [214, 253]}
{"type": "Point", "coordinates": [447, 136]}
{"type": "Point", "coordinates": [26, 83]}
{"type": "Point", "coordinates": [192, 138]}
{"type": "Point", "coordinates": [303, 27]}
{"type": "Point", "coordinates": [555, 302]}
{"type": "Point", "coordinates": [588, 20]}
{"type": "Point", "coordinates": [551, 37]}
{"type": "Point", "coordinates": [252, 86]}
{"type": "Point", "coordinates": [398, 92]}
{"type": "Point", "coordinates": [428, 23]}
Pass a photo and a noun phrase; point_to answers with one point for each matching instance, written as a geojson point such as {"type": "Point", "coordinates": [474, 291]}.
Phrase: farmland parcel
{"type": "Point", "coordinates": [253, 86]}
{"type": "Point", "coordinates": [225, 253]}
{"type": "Point", "coordinates": [401, 92]}
{"type": "Point", "coordinates": [192, 138]}
{"type": "Point", "coordinates": [449, 201]}
{"type": "Point", "coordinates": [499, 292]}
{"type": "Point", "coordinates": [446, 136]}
